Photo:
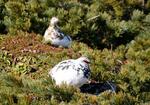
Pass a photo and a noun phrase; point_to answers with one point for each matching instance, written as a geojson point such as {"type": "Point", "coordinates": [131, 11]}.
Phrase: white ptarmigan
{"type": "Point", "coordinates": [55, 36]}
{"type": "Point", "coordinates": [73, 72]}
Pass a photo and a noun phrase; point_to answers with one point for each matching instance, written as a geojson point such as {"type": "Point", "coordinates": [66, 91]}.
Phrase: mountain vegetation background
{"type": "Point", "coordinates": [114, 34]}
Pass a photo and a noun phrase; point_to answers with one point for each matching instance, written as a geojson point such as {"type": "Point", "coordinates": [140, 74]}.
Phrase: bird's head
{"type": "Point", "coordinates": [54, 21]}
{"type": "Point", "coordinates": [84, 60]}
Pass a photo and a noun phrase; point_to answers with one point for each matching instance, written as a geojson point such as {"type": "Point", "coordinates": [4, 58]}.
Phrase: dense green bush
{"type": "Point", "coordinates": [100, 23]}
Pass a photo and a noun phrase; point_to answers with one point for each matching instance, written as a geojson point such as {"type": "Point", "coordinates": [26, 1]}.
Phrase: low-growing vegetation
{"type": "Point", "coordinates": [114, 34]}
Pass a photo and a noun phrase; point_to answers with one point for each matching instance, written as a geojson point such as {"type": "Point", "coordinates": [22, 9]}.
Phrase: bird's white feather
{"type": "Point", "coordinates": [71, 72]}
{"type": "Point", "coordinates": [55, 36]}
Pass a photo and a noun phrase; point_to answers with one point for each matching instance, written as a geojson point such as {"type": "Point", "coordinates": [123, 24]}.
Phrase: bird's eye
{"type": "Point", "coordinates": [86, 61]}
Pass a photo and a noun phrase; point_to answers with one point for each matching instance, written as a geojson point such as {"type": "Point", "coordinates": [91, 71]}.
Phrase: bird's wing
{"type": "Point", "coordinates": [60, 34]}
{"type": "Point", "coordinates": [69, 38]}
{"type": "Point", "coordinates": [72, 65]}
{"type": "Point", "coordinates": [82, 69]}
{"type": "Point", "coordinates": [64, 65]}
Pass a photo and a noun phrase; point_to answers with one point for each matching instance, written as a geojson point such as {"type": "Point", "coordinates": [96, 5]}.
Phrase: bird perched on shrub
{"type": "Point", "coordinates": [55, 36]}
{"type": "Point", "coordinates": [74, 72]}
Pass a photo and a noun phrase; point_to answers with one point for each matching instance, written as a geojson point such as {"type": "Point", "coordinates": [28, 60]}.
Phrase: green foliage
{"type": "Point", "coordinates": [27, 73]}
{"type": "Point", "coordinates": [100, 22]}
{"type": "Point", "coordinates": [5, 60]}
{"type": "Point", "coordinates": [137, 15]}
{"type": "Point", "coordinates": [16, 17]}
{"type": "Point", "coordinates": [135, 73]}
{"type": "Point", "coordinates": [25, 65]}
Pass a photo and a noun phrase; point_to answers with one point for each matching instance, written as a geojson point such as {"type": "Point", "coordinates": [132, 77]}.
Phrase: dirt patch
{"type": "Point", "coordinates": [27, 43]}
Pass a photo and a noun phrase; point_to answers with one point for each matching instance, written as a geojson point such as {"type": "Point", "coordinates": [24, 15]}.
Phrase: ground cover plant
{"type": "Point", "coordinates": [114, 34]}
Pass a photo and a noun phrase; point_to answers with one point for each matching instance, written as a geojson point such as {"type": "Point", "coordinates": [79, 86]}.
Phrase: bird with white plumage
{"type": "Point", "coordinates": [55, 36]}
{"type": "Point", "coordinates": [74, 72]}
